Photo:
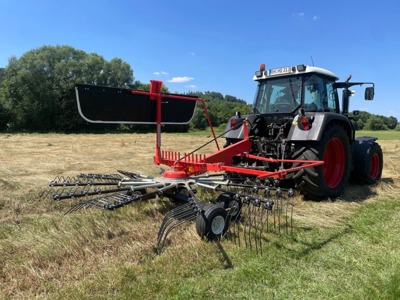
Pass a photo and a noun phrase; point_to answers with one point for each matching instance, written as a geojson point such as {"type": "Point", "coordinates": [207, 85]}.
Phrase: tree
{"type": "Point", "coordinates": [220, 109]}
{"type": "Point", "coordinates": [3, 111]}
{"type": "Point", "coordinates": [375, 123]}
{"type": "Point", "coordinates": [38, 88]}
{"type": "Point", "coordinates": [3, 117]}
{"type": "Point", "coordinates": [391, 122]}
{"type": "Point", "coordinates": [137, 85]}
{"type": "Point", "coordinates": [2, 71]}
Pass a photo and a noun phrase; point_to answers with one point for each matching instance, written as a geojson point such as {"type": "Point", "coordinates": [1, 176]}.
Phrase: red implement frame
{"type": "Point", "coordinates": [185, 165]}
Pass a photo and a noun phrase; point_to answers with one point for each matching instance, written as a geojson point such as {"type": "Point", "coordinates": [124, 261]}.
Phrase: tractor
{"type": "Point", "coordinates": [297, 115]}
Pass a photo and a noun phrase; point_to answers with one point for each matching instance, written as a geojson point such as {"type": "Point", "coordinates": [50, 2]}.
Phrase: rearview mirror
{"type": "Point", "coordinates": [369, 93]}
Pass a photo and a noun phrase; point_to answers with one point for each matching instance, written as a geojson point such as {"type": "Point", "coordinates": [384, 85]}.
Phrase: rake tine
{"type": "Point", "coordinates": [274, 212]}
{"type": "Point", "coordinates": [251, 220]}
{"type": "Point", "coordinates": [253, 223]}
{"type": "Point", "coordinates": [286, 216]}
{"type": "Point", "coordinates": [261, 226]}
{"type": "Point", "coordinates": [173, 219]}
{"type": "Point", "coordinates": [171, 216]}
{"type": "Point", "coordinates": [246, 224]}
{"type": "Point", "coordinates": [161, 241]}
{"type": "Point", "coordinates": [101, 202]}
{"type": "Point", "coordinates": [291, 219]}
{"type": "Point", "coordinates": [77, 207]}
{"type": "Point", "coordinates": [255, 215]}
{"type": "Point", "coordinates": [175, 214]}
{"type": "Point", "coordinates": [237, 221]}
{"type": "Point", "coordinates": [279, 208]}
{"type": "Point", "coordinates": [82, 204]}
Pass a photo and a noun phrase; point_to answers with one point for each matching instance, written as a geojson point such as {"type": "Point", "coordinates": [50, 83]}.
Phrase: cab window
{"type": "Point", "coordinates": [278, 95]}
{"type": "Point", "coordinates": [319, 94]}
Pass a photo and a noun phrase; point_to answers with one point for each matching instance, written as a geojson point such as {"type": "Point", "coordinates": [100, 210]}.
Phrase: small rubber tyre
{"type": "Point", "coordinates": [212, 223]}
{"type": "Point", "coordinates": [330, 179]}
{"type": "Point", "coordinates": [368, 162]}
{"type": "Point", "coordinates": [231, 204]}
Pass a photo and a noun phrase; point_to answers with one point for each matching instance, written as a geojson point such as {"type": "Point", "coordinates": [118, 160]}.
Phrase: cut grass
{"type": "Point", "coordinates": [347, 249]}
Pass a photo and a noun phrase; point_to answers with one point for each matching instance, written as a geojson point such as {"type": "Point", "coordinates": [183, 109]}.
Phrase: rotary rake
{"type": "Point", "coordinates": [248, 202]}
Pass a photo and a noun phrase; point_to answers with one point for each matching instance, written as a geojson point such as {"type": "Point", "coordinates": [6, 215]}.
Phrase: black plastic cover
{"type": "Point", "coordinates": [98, 104]}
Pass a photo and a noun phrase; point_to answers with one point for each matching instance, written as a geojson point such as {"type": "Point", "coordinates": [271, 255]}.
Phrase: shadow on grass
{"type": "Point", "coordinates": [309, 247]}
{"type": "Point", "coordinates": [225, 260]}
{"type": "Point", "coordinates": [358, 192]}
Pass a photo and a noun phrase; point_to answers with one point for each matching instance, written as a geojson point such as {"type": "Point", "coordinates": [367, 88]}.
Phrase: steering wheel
{"type": "Point", "coordinates": [286, 107]}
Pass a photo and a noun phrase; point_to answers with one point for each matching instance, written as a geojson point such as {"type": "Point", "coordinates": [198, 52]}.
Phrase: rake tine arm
{"type": "Point", "coordinates": [79, 195]}
{"type": "Point", "coordinates": [187, 215]}
{"type": "Point", "coordinates": [162, 239]}
{"type": "Point", "coordinates": [173, 219]}
{"type": "Point", "coordinates": [172, 215]}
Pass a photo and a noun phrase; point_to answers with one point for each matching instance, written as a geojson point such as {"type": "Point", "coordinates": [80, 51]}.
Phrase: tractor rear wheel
{"type": "Point", "coordinates": [212, 223]}
{"type": "Point", "coordinates": [330, 179]}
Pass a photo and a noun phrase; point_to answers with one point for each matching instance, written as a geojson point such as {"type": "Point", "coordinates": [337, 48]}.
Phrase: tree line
{"type": "Point", "coordinates": [368, 121]}
{"type": "Point", "coordinates": [37, 94]}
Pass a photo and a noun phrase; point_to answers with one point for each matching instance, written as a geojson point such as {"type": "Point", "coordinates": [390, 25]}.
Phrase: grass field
{"type": "Point", "coordinates": [343, 249]}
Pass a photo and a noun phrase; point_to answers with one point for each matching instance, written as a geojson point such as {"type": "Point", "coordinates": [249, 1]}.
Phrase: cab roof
{"type": "Point", "coordinates": [291, 70]}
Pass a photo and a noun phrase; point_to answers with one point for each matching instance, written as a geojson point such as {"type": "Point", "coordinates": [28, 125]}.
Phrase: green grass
{"type": "Point", "coordinates": [380, 134]}
{"type": "Point", "coordinates": [358, 259]}
{"type": "Point", "coordinates": [345, 249]}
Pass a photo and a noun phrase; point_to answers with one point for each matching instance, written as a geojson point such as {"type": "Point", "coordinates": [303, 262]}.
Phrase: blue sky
{"type": "Point", "coordinates": [217, 45]}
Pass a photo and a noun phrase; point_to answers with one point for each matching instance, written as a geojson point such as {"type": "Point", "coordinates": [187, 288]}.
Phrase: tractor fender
{"type": "Point", "coordinates": [318, 126]}
{"type": "Point", "coordinates": [363, 144]}
{"type": "Point", "coordinates": [237, 133]}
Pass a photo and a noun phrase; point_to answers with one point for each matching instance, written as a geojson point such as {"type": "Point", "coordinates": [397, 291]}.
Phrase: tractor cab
{"type": "Point", "coordinates": [286, 90]}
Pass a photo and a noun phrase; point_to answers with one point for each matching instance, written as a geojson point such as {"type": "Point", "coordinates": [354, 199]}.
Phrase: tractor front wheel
{"type": "Point", "coordinates": [330, 179]}
{"type": "Point", "coordinates": [368, 162]}
{"type": "Point", "coordinates": [212, 223]}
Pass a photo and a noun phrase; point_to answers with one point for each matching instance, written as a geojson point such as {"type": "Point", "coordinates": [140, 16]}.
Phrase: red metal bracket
{"type": "Point", "coordinates": [186, 164]}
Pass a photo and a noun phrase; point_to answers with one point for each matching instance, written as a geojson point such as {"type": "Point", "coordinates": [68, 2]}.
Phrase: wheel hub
{"type": "Point", "coordinates": [218, 225]}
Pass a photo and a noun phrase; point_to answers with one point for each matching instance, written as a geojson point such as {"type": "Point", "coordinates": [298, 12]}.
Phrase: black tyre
{"type": "Point", "coordinates": [212, 223]}
{"type": "Point", "coordinates": [181, 194]}
{"type": "Point", "coordinates": [330, 179]}
{"type": "Point", "coordinates": [368, 162]}
{"type": "Point", "coordinates": [231, 204]}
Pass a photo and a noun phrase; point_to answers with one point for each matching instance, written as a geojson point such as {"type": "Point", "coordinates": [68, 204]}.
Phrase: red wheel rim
{"type": "Point", "coordinates": [375, 165]}
{"type": "Point", "coordinates": [334, 163]}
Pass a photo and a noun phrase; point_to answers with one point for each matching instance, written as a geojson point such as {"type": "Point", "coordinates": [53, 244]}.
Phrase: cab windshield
{"type": "Point", "coordinates": [278, 95]}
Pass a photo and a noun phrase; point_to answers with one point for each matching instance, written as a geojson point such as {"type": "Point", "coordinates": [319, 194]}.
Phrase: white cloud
{"type": "Point", "coordinates": [299, 15]}
{"type": "Point", "coordinates": [302, 16]}
{"type": "Point", "coordinates": [192, 86]}
{"type": "Point", "coordinates": [180, 79]}
{"type": "Point", "coordinates": [160, 73]}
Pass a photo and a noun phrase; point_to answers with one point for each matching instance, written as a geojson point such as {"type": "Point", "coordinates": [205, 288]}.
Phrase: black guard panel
{"type": "Point", "coordinates": [98, 104]}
